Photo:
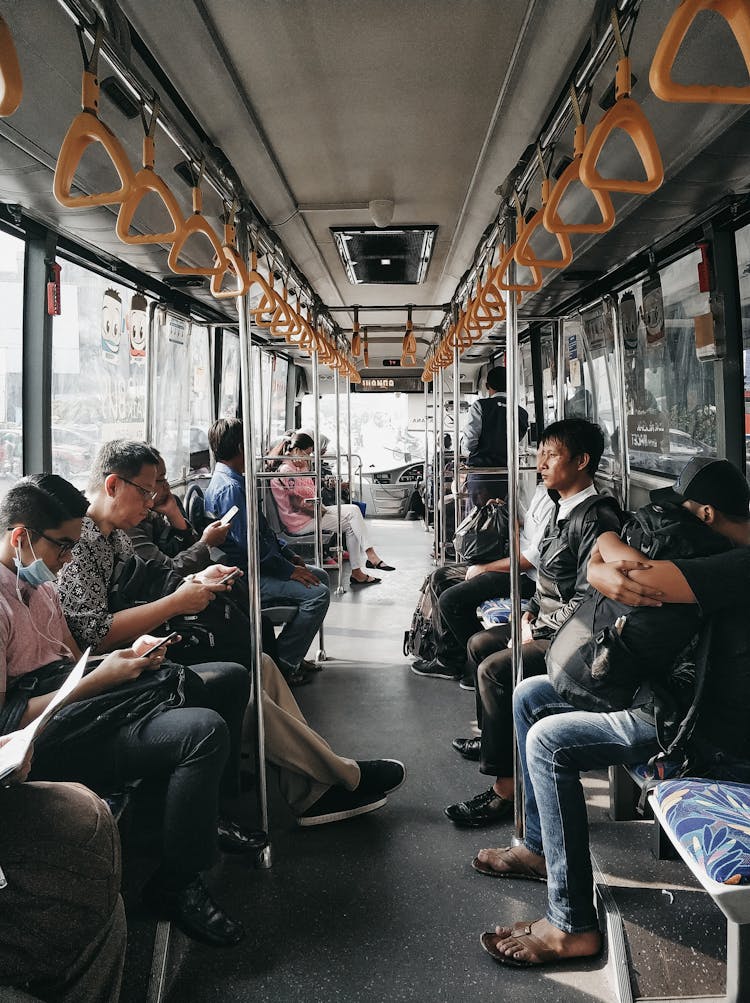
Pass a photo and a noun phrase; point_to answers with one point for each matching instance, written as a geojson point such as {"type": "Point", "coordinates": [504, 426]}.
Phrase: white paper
{"type": "Point", "coordinates": [13, 753]}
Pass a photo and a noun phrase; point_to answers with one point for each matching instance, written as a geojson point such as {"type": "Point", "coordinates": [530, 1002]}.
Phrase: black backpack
{"type": "Point", "coordinates": [418, 639]}
{"type": "Point", "coordinates": [483, 535]}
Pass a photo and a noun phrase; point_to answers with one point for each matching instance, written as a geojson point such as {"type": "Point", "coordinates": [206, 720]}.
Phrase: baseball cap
{"type": "Point", "coordinates": [709, 482]}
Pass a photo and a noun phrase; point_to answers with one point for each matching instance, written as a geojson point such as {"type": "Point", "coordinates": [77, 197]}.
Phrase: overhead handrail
{"type": "Point", "coordinates": [194, 226]}
{"type": "Point", "coordinates": [569, 176]}
{"type": "Point", "coordinates": [234, 262]}
{"type": "Point", "coordinates": [524, 254]}
{"type": "Point", "coordinates": [145, 181]}
{"type": "Point", "coordinates": [85, 129]}
{"type": "Point", "coordinates": [625, 114]}
{"type": "Point", "coordinates": [11, 82]}
{"type": "Point", "coordinates": [737, 15]}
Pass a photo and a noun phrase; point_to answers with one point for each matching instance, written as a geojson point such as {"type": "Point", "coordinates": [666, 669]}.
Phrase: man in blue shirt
{"type": "Point", "coordinates": [285, 579]}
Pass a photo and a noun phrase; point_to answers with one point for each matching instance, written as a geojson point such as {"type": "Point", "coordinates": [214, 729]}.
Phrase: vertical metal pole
{"type": "Point", "coordinates": [441, 472]}
{"type": "Point", "coordinates": [457, 514]}
{"type": "Point", "coordinates": [559, 327]}
{"type": "Point", "coordinates": [622, 419]}
{"type": "Point", "coordinates": [435, 469]}
{"type": "Point", "coordinates": [321, 656]}
{"type": "Point", "coordinates": [512, 430]}
{"type": "Point", "coordinates": [350, 476]}
{"type": "Point", "coordinates": [249, 434]}
{"type": "Point", "coordinates": [426, 447]}
{"type": "Point", "coordinates": [339, 547]}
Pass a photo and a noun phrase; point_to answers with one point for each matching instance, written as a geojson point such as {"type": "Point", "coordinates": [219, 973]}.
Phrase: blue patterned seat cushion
{"type": "Point", "coordinates": [496, 611]}
{"type": "Point", "coordinates": [712, 822]}
{"type": "Point", "coordinates": [663, 769]}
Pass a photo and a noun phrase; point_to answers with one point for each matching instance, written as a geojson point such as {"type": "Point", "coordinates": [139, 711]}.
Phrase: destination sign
{"type": "Point", "coordinates": [389, 385]}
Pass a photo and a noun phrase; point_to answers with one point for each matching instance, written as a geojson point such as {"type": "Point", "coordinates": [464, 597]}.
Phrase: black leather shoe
{"type": "Point", "coordinates": [484, 809]}
{"type": "Point", "coordinates": [233, 839]}
{"type": "Point", "coordinates": [299, 678]}
{"type": "Point", "coordinates": [469, 748]}
{"type": "Point", "coordinates": [194, 911]}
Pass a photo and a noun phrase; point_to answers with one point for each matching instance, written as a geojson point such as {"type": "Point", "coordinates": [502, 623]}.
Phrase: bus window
{"type": "Point", "coordinates": [99, 347]}
{"type": "Point", "coordinates": [670, 395]}
{"type": "Point", "coordinates": [230, 375]}
{"type": "Point", "coordinates": [526, 396]}
{"type": "Point", "coordinates": [11, 334]}
{"type": "Point", "coordinates": [279, 374]}
{"type": "Point", "coordinates": [201, 393]}
{"type": "Point", "coordinates": [170, 389]}
{"type": "Point", "coordinates": [743, 265]}
{"type": "Point", "coordinates": [549, 374]}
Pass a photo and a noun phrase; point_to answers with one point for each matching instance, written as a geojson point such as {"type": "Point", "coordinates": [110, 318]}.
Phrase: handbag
{"type": "Point", "coordinates": [483, 535]}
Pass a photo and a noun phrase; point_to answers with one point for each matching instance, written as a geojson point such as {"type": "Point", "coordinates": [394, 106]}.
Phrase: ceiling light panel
{"type": "Point", "coordinates": [391, 256]}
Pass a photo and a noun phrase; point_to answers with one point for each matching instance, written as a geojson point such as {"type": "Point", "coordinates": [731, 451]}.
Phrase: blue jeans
{"type": "Point", "coordinates": [556, 742]}
{"type": "Point", "coordinates": [312, 605]}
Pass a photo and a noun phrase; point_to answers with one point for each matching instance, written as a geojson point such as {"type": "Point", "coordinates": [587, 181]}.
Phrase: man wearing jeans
{"type": "Point", "coordinates": [556, 742]}
{"type": "Point", "coordinates": [285, 579]}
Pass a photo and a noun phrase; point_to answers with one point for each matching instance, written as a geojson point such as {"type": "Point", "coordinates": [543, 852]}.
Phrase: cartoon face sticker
{"type": "Point", "coordinates": [136, 324]}
{"type": "Point", "coordinates": [111, 328]}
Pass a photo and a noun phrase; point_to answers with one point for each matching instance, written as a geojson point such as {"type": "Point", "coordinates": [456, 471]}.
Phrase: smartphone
{"type": "Point", "coordinates": [230, 577]}
{"type": "Point", "coordinates": [164, 640]}
{"type": "Point", "coordinates": [228, 516]}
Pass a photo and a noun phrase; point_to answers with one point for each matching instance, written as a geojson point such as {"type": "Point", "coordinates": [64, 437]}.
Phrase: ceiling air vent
{"type": "Point", "coordinates": [396, 255]}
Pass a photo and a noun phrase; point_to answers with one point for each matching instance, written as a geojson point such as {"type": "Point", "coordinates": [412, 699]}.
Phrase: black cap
{"type": "Point", "coordinates": [709, 482]}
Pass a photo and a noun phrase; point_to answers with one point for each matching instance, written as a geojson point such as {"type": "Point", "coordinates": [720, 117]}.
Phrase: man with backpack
{"type": "Point", "coordinates": [567, 459]}
{"type": "Point", "coordinates": [556, 741]}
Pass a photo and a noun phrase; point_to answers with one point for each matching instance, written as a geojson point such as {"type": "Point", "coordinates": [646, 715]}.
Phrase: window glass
{"type": "Point", "coordinates": [201, 396]}
{"type": "Point", "coordinates": [230, 375]}
{"type": "Point", "coordinates": [743, 264]}
{"type": "Point", "coordinates": [170, 389]}
{"type": "Point", "coordinates": [670, 395]}
{"type": "Point", "coordinates": [279, 375]}
{"type": "Point", "coordinates": [526, 398]}
{"type": "Point", "coordinates": [12, 251]}
{"type": "Point", "coordinates": [99, 350]}
{"type": "Point", "coordinates": [549, 374]}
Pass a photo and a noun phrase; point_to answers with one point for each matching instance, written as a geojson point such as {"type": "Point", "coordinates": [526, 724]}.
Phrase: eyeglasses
{"type": "Point", "coordinates": [150, 495]}
{"type": "Point", "coordinates": [63, 546]}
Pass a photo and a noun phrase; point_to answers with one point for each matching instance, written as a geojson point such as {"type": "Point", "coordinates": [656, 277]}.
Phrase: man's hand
{"type": "Point", "coordinates": [192, 597]}
{"type": "Point", "coordinates": [611, 579]}
{"type": "Point", "coordinates": [125, 665]}
{"type": "Point", "coordinates": [215, 533]}
{"type": "Point", "coordinates": [211, 577]}
{"type": "Point", "coordinates": [297, 560]}
{"type": "Point", "coordinates": [474, 570]}
{"type": "Point", "coordinates": [171, 510]}
{"type": "Point", "coordinates": [302, 575]}
{"type": "Point", "coordinates": [18, 776]}
{"type": "Point", "coordinates": [527, 626]}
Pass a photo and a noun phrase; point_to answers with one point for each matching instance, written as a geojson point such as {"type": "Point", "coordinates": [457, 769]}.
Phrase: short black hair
{"type": "Point", "coordinates": [496, 379]}
{"type": "Point", "coordinates": [120, 456]}
{"type": "Point", "coordinates": [225, 438]}
{"type": "Point", "coordinates": [41, 502]}
{"type": "Point", "coordinates": [578, 436]}
{"type": "Point", "coordinates": [301, 440]}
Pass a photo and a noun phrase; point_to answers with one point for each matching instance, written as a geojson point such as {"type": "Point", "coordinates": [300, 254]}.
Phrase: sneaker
{"type": "Point", "coordinates": [338, 804]}
{"type": "Point", "coordinates": [467, 683]}
{"type": "Point", "coordinates": [381, 776]}
{"type": "Point", "coordinates": [433, 668]}
{"type": "Point", "coordinates": [484, 809]}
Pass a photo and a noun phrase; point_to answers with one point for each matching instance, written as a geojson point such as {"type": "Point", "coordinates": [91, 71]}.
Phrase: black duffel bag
{"type": "Point", "coordinates": [483, 535]}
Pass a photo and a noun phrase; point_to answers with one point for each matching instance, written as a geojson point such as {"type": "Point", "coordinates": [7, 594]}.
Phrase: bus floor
{"type": "Point", "coordinates": [387, 906]}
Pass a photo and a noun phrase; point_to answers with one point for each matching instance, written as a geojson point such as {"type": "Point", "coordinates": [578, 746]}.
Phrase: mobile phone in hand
{"type": "Point", "coordinates": [162, 641]}
{"type": "Point", "coordinates": [230, 577]}
{"type": "Point", "coordinates": [228, 516]}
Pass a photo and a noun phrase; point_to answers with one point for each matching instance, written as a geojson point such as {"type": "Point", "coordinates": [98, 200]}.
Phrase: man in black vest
{"type": "Point", "coordinates": [484, 440]}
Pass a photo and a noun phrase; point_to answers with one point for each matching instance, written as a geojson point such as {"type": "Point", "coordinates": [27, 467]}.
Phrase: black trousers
{"type": "Point", "coordinates": [492, 660]}
{"type": "Point", "coordinates": [193, 751]}
{"type": "Point", "coordinates": [455, 619]}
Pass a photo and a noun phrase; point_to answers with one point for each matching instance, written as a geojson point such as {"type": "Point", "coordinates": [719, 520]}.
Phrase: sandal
{"type": "Point", "coordinates": [526, 940]}
{"type": "Point", "coordinates": [517, 869]}
{"type": "Point", "coordinates": [380, 566]}
{"type": "Point", "coordinates": [368, 581]}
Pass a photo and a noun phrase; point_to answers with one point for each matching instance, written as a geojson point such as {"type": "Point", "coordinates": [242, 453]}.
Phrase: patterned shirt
{"type": "Point", "coordinates": [84, 583]}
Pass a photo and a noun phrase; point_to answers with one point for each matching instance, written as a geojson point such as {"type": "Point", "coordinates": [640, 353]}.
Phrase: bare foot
{"type": "Point", "coordinates": [542, 943]}
{"type": "Point", "coordinates": [513, 861]}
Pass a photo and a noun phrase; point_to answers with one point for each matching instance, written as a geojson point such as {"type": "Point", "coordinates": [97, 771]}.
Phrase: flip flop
{"type": "Point", "coordinates": [368, 581]}
{"type": "Point", "coordinates": [519, 868]}
{"type": "Point", "coordinates": [380, 566]}
{"type": "Point", "coordinates": [521, 932]}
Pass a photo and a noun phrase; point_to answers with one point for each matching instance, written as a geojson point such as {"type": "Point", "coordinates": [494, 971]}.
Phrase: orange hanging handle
{"type": "Point", "coordinates": [366, 350]}
{"type": "Point", "coordinates": [234, 263]}
{"type": "Point", "coordinates": [525, 256]}
{"type": "Point", "coordinates": [498, 276]}
{"type": "Point", "coordinates": [737, 15]}
{"type": "Point", "coordinates": [193, 226]}
{"type": "Point", "coordinates": [85, 129]}
{"type": "Point", "coordinates": [11, 83]}
{"type": "Point", "coordinates": [145, 181]}
{"type": "Point", "coordinates": [625, 114]}
{"type": "Point", "coordinates": [267, 302]}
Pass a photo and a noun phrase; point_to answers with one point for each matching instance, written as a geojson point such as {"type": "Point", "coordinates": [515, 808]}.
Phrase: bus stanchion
{"type": "Point", "coordinates": [321, 654]}
{"type": "Point", "coordinates": [340, 590]}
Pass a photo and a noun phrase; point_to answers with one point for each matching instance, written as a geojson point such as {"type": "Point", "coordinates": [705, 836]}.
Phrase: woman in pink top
{"type": "Point", "coordinates": [295, 500]}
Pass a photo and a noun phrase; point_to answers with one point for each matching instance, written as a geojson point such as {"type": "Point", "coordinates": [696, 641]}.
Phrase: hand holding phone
{"type": "Point", "coordinates": [227, 579]}
{"type": "Point", "coordinates": [228, 516]}
{"type": "Point", "coordinates": [162, 641]}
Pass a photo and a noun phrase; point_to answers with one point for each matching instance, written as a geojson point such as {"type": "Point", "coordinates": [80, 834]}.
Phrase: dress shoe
{"type": "Point", "coordinates": [233, 839]}
{"type": "Point", "coordinates": [298, 677]}
{"type": "Point", "coordinates": [194, 911]}
{"type": "Point", "coordinates": [307, 666]}
{"type": "Point", "coordinates": [484, 809]}
{"type": "Point", "coordinates": [469, 748]}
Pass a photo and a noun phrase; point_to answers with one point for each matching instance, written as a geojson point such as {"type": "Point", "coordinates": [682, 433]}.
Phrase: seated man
{"type": "Point", "coordinates": [285, 579]}
{"type": "Point", "coordinates": [556, 742]}
{"type": "Point", "coordinates": [460, 589]}
{"type": "Point", "coordinates": [188, 747]}
{"type": "Point", "coordinates": [62, 925]}
{"type": "Point", "coordinates": [568, 457]}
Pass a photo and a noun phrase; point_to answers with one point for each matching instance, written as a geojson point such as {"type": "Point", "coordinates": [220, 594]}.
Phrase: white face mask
{"type": "Point", "coordinates": [35, 574]}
